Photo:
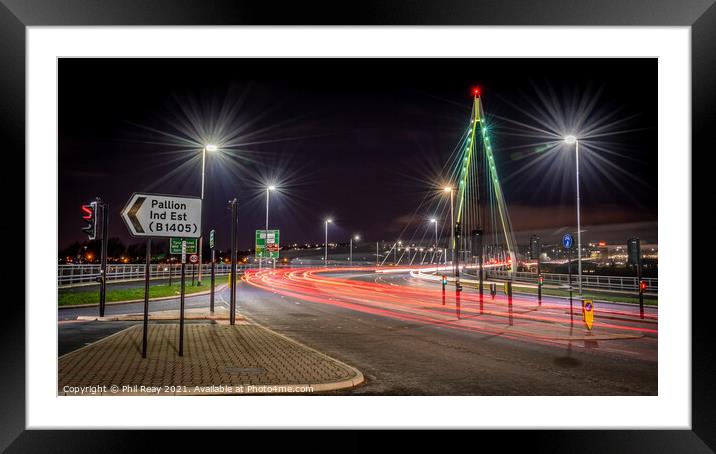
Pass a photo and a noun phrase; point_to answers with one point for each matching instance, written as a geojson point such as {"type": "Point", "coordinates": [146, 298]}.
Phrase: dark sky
{"type": "Point", "coordinates": [360, 140]}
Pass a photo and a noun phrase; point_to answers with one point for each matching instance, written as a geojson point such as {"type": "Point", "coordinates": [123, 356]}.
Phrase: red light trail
{"type": "Point", "coordinates": [516, 318]}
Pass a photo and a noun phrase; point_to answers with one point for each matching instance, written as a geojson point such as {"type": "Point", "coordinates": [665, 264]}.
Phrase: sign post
{"type": "Point", "coordinates": [232, 304]}
{"type": "Point", "coordinates": [181, 299]}
{"type": "Point", "coordinates": [164, 216]}
{"type": "Point", "coordinates": [567, 242]}
{"type": "Point", "coordinates": [146, 296]}
{"type": "Point", "coordinates": [213, 274]}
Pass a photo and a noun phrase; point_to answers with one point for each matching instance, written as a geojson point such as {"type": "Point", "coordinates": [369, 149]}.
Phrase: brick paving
{"type": "Point", "coordinates": [247, 358]}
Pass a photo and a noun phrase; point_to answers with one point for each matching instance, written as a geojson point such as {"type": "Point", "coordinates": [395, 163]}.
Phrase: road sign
{"type": "Point", "coordinates": [194, 258]}
{"type": "Point", "coordinates": [567, 241]}
{"type": "Point", "coordinates": [588, 313]}
{"type": "Point", "coordinates": [156, 215]}
{"type": "Point", "coordinates": [175, 245]}
{"type": "Point", "coordinates": [211, 239]}
{"type": "Point", "coordinates": [267, 244]}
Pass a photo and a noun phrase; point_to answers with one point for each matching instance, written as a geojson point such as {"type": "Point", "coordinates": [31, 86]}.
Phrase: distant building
{"type": "Point", "coordinates": [535, 247]}
{"type": "Point", "coordinates": [633, 251]}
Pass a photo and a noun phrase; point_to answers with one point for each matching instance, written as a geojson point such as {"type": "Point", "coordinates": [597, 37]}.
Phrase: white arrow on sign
{"type": "Point", "coordinates": [158, 215]}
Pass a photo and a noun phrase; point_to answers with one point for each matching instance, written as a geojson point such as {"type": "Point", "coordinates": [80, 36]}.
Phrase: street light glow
{"type": "Point", "coordinates": [447, 189]}
{"type": "Point", "coordinates": [357, 237]}
{"type": "Point", "coordinates": [211, 147]}
{"type": "Point", "coordinates": [271, 188]}
{"type": "Point", "coordinates": [329, 220]}
{"type": "Point", "coordinates": [433, 220]}
{"type": "Point", "coordinates": [570, 139]}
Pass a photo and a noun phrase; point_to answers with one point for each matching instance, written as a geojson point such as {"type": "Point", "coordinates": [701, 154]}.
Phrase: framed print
{"type": "Point", "coordinates": [465, 217]}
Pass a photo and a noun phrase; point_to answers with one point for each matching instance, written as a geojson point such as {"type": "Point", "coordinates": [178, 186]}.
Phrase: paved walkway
{"type": "Point", "coordinates": [218, 359]}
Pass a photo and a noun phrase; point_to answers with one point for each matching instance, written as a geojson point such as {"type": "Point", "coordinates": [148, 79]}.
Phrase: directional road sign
{"type": "Point", "coordinates": [267, 242]}
{"type": "Point", "coordinates": [175, 245]}
{"type": "Point", "coordinates": [157, 215]}
{"type": "Point", "coordinates": [567, 241]}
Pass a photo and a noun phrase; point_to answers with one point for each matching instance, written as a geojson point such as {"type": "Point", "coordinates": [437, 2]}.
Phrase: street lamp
{"type": "Point", "coordinates": [452, 226]}
{"type": "Point", "coordinates": [435, 249]}
{"type": "Point", "coordinates": [211, 148]}
{"type": "Point", "coordinates": [570, 139]}
{"type": "Point", "coordinates": [351, 248]}
{"type": "Point", "coordinates": [325, 257]}
{"type": "Point", "coordinates": [268, 190]}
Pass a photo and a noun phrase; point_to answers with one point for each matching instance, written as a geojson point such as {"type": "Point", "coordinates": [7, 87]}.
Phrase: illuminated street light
{"type": "Point", "coordinates": [210, 148]}
{"type": "Point", "coordinates": [570, 139]}
{"type": "Point", "coordinates": [325, 258]}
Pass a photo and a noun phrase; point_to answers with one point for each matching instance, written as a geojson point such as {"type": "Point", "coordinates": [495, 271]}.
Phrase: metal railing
{"type": "Point", "coordinates": [68, 275]}
{"type": "Point", "coordinates": [615, 283]}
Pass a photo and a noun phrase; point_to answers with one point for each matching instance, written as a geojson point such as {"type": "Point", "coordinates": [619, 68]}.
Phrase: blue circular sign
{"type": "Point", "coordinates": [567, 241]}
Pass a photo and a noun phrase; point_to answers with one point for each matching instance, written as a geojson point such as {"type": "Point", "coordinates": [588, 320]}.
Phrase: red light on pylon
{"type": "Point", "coordinates": [476, 91]}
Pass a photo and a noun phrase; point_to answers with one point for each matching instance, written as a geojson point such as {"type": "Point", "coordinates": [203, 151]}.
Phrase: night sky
{"type": "Point", "coordinates": [363, 141]}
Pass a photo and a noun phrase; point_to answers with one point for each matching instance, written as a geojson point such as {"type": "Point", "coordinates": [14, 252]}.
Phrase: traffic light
{"type": "Point", "coordinates": [89, 215]}
{"type": "Point", "coordinates": [642, 285]}
{"type": "Point", "coordinates": [444, 280]}
{"type": "Point", "coordinates": [541, 280]}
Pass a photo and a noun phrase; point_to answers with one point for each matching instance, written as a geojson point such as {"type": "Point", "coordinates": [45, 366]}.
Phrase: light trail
{"type": "Point", "coordinates": [619, 331]}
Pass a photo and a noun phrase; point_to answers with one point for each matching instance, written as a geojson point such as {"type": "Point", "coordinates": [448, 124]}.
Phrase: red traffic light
{"type": "Point", "coordinates": [87, 212]}
{"type": "Point", "coordinates": [643, 285]}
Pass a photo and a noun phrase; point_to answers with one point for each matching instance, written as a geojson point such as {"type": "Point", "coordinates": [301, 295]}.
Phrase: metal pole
{"type": "Point", "coordinates": [377, 253]}
{"type": "Point", "coordinates": [325, 257]}
{"type": "Point", "coordinates": [146, 297]}
{"type": "Point", "coordinates": [539, 281]}
{"type": "Point", "coordinates": [437, 261]}
{"type": "Point", "coordinates": [103, 259]}
{"type": "Point", "coordinates": [569, 279]}
{"type": "Point", "coordinates": [639, 278]}
{"type": "Point", "coordinates": [479, 245]}
{"type": "Point", "coordinates": [181, 301]}
{"type": "Point", "coordinates": [201, 238]}
{"type": "Point", "coordinates": [579, 225]}
{"type": "Point", "coordinates": [232, 306]}
{"type": "Point", "coordinates": [452, 235]}
{"type": "Point", "coordinates": [213, 279]}
{"type": "Point", "coordinates": [457, 258]}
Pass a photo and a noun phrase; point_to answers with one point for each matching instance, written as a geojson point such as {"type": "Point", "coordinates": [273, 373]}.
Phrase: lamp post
{"type": "Point", "coordinates": [325, 257]}
{"type": "Point", "coordinates": [573, 140]}
{"type": "Point", "coordinates": [435, 248]}
{"type": "Point", "coordinates": [268, 191]}
{"type": "Point", "coordinates": [356, 237]}
{"type": "Point", "coordinates": [452, 227]}
{"type": "Point", "coordinates": [210, 148]}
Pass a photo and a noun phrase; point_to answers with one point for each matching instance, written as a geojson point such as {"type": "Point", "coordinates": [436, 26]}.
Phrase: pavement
{"type": "Point", "coordinates": [219, 359]}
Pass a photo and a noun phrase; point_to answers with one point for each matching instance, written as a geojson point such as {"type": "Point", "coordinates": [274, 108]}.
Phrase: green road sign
{"type": "Point", "coordinates": [267, 242]}
{"type": "Point", "coordinates": [175, 245]}
{"type": "Point", "coordinates": [211, 239]}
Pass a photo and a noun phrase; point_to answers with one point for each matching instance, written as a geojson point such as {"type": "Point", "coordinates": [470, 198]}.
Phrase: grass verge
{"type": "Point", "coordinates": [74, 297]}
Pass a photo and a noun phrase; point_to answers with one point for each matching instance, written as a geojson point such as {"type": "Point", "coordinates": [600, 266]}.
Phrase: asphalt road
{"type": "Point", "coordinates": [450, 351]}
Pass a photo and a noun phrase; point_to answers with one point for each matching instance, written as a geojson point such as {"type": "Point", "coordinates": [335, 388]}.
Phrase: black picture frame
{"type": "Point", "coordinates": [700, 15]}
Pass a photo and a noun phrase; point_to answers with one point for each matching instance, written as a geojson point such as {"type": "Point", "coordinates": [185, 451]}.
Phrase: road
{"type": "Point", "coordinates": [396, 330]}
